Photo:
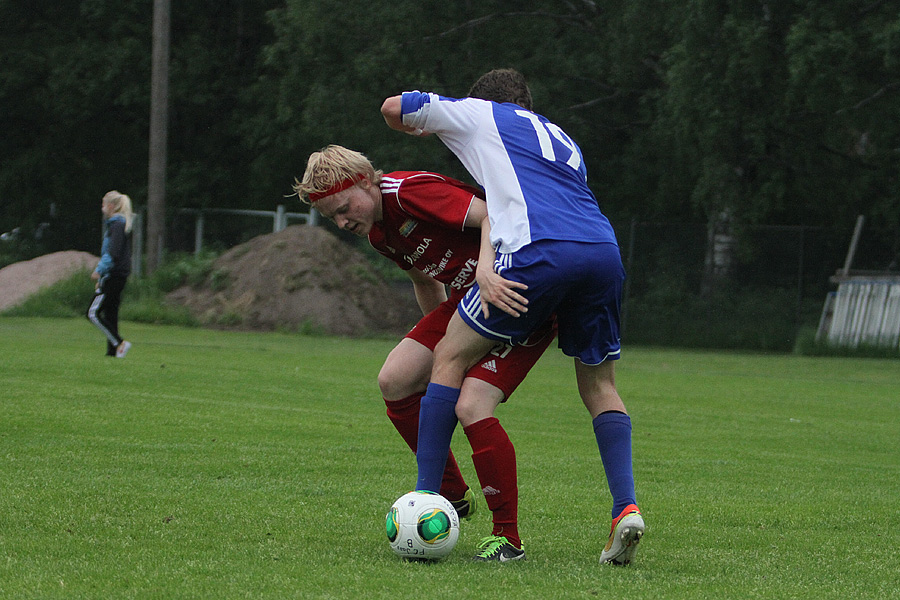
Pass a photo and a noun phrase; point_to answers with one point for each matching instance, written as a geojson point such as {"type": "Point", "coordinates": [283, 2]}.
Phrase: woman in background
{"type": "Point", "coordinates": [112, 271]}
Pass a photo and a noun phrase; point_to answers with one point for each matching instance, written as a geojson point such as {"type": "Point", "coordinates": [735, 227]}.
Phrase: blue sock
{"type": "Point", "coordinates": [613, 432]}
{"type": "Point", "coordinates": [437, 420]}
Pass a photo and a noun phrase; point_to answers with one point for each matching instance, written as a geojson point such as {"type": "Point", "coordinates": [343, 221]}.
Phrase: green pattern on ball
{"type": "Point", "coordinates": [434, 526]}
{"type": "Point", "coordinates": [390, 524]}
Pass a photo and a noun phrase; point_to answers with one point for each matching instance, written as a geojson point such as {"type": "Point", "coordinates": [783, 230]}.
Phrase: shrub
{"type": "Point", "coordinates": [752, 319]}
{"type": "Point", "coordinates": [67, 298]}
{"type": "Point", "coordinates": [182, 269]}
{"type": "Point", "coordinates": [143, 299]}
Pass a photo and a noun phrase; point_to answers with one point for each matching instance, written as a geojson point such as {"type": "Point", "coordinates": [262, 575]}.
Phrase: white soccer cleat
{"type": "Point", "coordinates": [624, 535]}
{"type": "Point", "coordinates": [123, 349]}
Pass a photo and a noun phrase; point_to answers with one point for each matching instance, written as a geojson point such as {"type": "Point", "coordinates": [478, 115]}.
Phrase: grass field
{"type": "Point", "coordinates": [242, 465]}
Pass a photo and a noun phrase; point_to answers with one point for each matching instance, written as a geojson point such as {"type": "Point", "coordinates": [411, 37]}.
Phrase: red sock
{"type": "Point", "coordinates": [495, 464]}
{"type": "Point", "coordinates": [404, 414]}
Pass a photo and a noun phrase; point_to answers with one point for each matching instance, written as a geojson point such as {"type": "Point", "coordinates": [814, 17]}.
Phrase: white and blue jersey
{"type": "Point", "coordinates": [546, 224]}
{"type": "Point", "coordinates": [532, 172]}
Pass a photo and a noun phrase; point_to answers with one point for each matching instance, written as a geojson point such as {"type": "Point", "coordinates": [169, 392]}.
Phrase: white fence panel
{"type": "Point", "coordinates": [866, 313]}
{"type": "Point", "coordinates": [889, 335]}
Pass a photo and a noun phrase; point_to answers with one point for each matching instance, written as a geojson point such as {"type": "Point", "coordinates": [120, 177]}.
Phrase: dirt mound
{"type": "Point", "coordinates": [302, 278]}
{"type": "Point", "coordinates": [22, 279]}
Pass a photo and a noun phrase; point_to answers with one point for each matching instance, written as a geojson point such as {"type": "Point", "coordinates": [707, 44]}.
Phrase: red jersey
{"type": "Point", "coordinates": [423, 226]}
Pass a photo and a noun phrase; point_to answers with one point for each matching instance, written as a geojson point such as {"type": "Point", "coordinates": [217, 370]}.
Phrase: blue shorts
{"type": "Point", "coordinates": [580, 281]}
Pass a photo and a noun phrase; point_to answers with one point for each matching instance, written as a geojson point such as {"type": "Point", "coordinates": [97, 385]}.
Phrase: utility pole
{"type": "Point", "coordinates": [159, 126]}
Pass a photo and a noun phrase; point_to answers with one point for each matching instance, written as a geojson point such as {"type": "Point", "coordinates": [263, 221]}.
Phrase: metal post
{"type": "Point", "coordinates": [801, 255]}
{"type": "Point", "coordinates": [630, 260]}
{"type": "Point", "coordinates": [137, 244]}
{"type": "Point", "coordinates": [198, 233]}
{"type": "Point", "coordinates": [279, 219]}
{"type": "Point", "coordinates": [857, 231]}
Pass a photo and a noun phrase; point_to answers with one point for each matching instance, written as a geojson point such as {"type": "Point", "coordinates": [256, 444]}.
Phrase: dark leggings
{"type": "Point", "coordinates": [104, 310]}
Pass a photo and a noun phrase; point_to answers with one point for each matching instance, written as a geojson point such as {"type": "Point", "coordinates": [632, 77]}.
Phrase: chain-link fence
{"type": "Point", "coordinates": [741, 287]}
{"type": "Point", "coordinates": [745, 287]}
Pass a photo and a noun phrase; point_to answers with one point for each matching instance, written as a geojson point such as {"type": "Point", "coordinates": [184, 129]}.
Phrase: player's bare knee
{"type": "Point", "coordinates": [477, 401]}
{"type": "Point", "coordinates": [388, 379]}
{"type": "Point", "coordinates": [387, 382]}
{"type": "Point", "coordinates": [396, 383]}
{"type": "Point", "coordinates": [466, 412]}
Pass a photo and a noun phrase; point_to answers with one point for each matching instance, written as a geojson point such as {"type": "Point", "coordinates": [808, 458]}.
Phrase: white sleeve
{"type": "Point", "coordinates": [451, 119]}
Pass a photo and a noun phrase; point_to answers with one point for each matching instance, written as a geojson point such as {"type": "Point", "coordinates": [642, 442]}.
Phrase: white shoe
{"type": "Point", "coordinates": [123, 349]}
{"type": "Point", "coordinates": [624, 536]}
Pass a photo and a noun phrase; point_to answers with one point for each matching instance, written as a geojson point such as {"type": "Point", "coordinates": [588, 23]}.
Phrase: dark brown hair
{"type": "Point", "coordinates": [503, 85]}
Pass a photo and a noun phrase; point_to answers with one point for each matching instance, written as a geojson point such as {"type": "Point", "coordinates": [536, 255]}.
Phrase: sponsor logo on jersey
{"type": "Point", "coordinates": [407, 227]}
{"type": "Point", "coordinates": [464, 273]}
{"type": "Point", "coordinates": [490, 365]}
{"type": "Point", "coordinates": [420, 250]}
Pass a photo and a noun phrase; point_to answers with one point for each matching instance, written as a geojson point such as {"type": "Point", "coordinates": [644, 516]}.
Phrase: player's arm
{"type": "Point", "coordinates": [477, 213]}
{"type": "Point", "coordinates": [429, 292]}
{"type": "Point", "coordinates": [495, 289]}
{"type": "Point", "coordinates": [392, 111]}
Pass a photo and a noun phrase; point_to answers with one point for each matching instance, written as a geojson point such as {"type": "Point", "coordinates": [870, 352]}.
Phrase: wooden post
{"type": "Point", "coordinates": [159, 118]}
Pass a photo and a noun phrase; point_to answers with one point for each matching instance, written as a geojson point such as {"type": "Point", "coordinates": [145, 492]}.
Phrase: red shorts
{"type": "Point", "coordinates": [505, 366]}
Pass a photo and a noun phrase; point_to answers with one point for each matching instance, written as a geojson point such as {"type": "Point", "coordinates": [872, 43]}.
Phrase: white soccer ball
{"type": "Point", "coordinates": [422, 526]}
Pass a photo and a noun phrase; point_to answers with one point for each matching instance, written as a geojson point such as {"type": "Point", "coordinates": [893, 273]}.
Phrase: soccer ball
{"type": "Point", "coordinates": [422, 525]}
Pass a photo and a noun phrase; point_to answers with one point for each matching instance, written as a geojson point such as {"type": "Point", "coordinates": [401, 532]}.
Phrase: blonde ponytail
{"type": "Point", "coordinates": [122, 205]}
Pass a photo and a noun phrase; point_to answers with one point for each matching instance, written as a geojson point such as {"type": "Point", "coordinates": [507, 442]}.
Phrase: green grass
{"type": "Point", "coordinates": [238, 465]}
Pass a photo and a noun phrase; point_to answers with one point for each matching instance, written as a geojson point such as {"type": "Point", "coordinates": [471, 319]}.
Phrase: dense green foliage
{"type": "Point", "coordinates": [727, 115]}
{"type": "Point", "coordinates": [749, 111]}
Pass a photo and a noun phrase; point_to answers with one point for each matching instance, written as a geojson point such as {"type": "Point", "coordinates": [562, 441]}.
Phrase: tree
{"type": "Point", "coordinates": [73, 110]}
{"type": "Point", "coordinates": [75, 107]}
{"type": "Point", "coordinates": [750, 111]}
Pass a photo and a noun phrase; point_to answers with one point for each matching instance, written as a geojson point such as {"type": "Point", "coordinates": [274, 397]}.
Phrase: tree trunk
{"type": "Point", "coordinates": [720, 243]}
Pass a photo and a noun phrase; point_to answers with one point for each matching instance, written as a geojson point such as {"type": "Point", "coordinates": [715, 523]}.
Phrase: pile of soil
{"type": "Point", "coordinates": [20, 280]}
{"type": "Point", "coordinates": [300, 279]}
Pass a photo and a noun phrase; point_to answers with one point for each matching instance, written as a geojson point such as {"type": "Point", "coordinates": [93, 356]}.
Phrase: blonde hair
{"type": "Point", "coordinates": [329, 167]}
{"type": "Point", "coordinates": [122, 205]}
